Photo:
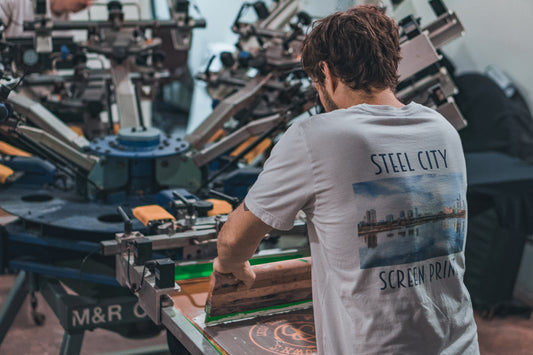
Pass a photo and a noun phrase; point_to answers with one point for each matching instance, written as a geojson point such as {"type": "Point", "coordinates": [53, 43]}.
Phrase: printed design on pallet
{"type": "Point", "coordinates": [285, 334]}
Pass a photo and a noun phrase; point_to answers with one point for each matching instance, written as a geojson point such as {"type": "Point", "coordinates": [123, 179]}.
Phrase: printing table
{"type": "Point", "coordinates": [286, 333]}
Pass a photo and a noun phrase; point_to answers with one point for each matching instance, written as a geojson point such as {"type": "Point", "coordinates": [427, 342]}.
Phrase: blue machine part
{"type": "Point", "coordinates": [56, 271]}
{"type": "Point", "coordinates": [72, 245]}
{"type": "Point", "coordinates": [4, 112]}
{"type": "Point", "coordinates": [139, 143]}
{"type": "Point", "coordinates": [65, 52]}
{"type": "Point", "coordinates": [67, 215]}
{"type": "Point", "coordinates": [238, 182]}
{"type": "Point", "coordinates": [36, 171]}
{"type": "Point", "coordinates": [244, 55]}
{"type": "Point", "coordinates": [135, 160]}
{"type": "Point", "coordinates": [141, 174]}
{"type": "Point", "coordinates": [165, 199]}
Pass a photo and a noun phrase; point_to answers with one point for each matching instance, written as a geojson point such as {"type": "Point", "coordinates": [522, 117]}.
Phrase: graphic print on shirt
{"type": "Point", "coordinates": [410, 219]}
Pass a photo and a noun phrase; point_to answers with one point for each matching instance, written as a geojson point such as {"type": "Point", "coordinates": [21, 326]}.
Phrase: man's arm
{"type": "Point", "coordinates": [237, 242]}
{"type": "Point", "coordinates": [60, 7]}
{"type": "Point", "coordinates": [6, 12]}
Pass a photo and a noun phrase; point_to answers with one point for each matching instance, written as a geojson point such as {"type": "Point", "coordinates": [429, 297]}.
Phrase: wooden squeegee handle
{"type": "Point", "coordinates": [276, 283]}
{"type": "Point", "coordinates": [278, 272]}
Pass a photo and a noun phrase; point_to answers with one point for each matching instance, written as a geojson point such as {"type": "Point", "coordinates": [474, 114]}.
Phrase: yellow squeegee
{"type": "Point", "coordinates": [152, 214]}
{"type": "Point", "coordinates": [219, 207]}
{"type": "Point", "coordinates": [5, 173]}
{"type": "Point", "coordinates": [259, 149]}
{"type": "Point", "coordinates": [8, 149]}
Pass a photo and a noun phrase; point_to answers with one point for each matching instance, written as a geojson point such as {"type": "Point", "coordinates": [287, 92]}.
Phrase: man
{"type": "Point", "coordinates": [13, 13]}
{"type": "Point", "coordinates": [383, 186]}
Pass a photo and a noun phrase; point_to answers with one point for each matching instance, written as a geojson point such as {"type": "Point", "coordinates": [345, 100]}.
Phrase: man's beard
{"type": "Point", "coordinates": [327, 102]}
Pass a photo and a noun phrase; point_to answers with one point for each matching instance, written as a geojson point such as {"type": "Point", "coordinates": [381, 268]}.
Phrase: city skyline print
{"type": "Point", "coordinates": [410, 219]}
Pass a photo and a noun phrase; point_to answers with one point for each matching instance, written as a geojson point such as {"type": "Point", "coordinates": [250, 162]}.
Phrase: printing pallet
{"type": "Point", "coordinates": [286, 333]}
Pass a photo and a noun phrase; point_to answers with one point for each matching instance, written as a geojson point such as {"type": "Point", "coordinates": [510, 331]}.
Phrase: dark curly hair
{"type": "Point", "coordinates": [361, 47]}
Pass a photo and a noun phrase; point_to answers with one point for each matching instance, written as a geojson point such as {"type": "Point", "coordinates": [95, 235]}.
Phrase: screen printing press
{"type": "Point", "coordinates": [274, 316]}
{"type": "Point", "coordinates": [66, 194]}
{"type": "Point", "coordinates": [292, 332]}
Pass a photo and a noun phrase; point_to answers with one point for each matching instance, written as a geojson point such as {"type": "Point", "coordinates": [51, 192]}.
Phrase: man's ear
{"type": "Point", "coordinates": [331, 81]}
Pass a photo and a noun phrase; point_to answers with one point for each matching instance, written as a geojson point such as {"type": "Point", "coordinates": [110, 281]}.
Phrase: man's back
{"type": "Point", "coordinates": [384, 190]}
{"type": "Point", "coordinates": [13, 13]}
{"type": "Point", "coordinates": [383, 186]}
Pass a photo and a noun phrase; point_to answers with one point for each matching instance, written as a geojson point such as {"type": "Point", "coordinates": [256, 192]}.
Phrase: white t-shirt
{"type": "Point", "coordinates": [384, 191]}
{"type": "Point", "coordinates": [13, 13]}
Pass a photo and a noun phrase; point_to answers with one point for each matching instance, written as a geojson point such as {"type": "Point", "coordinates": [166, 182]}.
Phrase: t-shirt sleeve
{"type": "Point", "coordinates": [285, 185]}
{"type": "Point", "coordinates": [6, 11]}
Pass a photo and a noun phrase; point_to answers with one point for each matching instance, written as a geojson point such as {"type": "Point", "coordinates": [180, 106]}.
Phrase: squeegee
{"type": "Point", "coordinates": [279, 287]}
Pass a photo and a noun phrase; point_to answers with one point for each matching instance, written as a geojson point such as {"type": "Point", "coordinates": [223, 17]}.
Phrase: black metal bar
{"type": "Point", "coordinates": [14, 301]}
{"type": "Point", "coordinates": [188, 205]}
{"type": "Point", "coordinates": [438, 7]}
{"type": "Point", "coordinates": [109, 106]}
{"type": "Point", "coordinates": [71, 344]}
{"type": "Point", "coordinates": [42, 79]}
{"type": "Point", "coordinates": [4, 236]}
{"type": "Point", "coordinates": [138, 104]}
{"type": "Point", "coordinates": [128, 225]}
{"type": "Point", "coordinates": [233, 201]}
{"type": "Point", "coordinates": [86, 25]}
{"type": "Point", "coordinates": [181, 198]}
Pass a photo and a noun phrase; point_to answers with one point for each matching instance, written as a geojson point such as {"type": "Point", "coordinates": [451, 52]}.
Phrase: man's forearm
{"type": "Point", "coordinates": [240, 236]}
{"type": "Point", "coordinates": [61, 7]}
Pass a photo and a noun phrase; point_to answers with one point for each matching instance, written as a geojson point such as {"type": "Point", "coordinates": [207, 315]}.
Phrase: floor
{"type": "Point", "coordinates": [509, 335]}
{"type": "Point", "coordinates": [498, 336]}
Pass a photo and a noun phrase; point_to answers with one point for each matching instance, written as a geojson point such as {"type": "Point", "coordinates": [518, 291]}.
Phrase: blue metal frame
{"type": "Point", "coordinates": [14, 301]}
{"type": "Point", "coordinates": [65, 272]}
{"type": "Point", "coordinates": [81, 246]}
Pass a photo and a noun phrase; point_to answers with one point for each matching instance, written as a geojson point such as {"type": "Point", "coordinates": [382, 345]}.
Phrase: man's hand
{"type": "Point", "coordinates": [242, 271]}
{"type": "Point", "coordinates": [60, 7]}
{"type": "Point", "coordinates": [236, 243]}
